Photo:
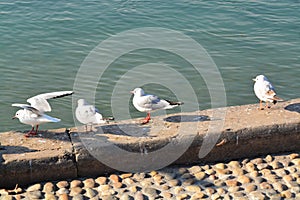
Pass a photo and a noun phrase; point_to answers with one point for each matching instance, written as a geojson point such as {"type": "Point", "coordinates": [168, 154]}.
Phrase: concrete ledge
{"type": "Point", "coordinates": [59, 154]}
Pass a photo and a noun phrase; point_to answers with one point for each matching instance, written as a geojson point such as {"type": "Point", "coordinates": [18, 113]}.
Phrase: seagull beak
{"type": "Point", "coordinates": [131, 92]}
{"type": "Point", "coordinates": [254, 79]}
{"type": "Point", "coordinates": [14, 117]}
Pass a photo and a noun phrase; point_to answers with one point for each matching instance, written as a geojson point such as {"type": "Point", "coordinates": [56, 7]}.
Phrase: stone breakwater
{"type": "Point", "coordinates": [61, 154]}
{"type": "Point", "coordinates": [269, 177]}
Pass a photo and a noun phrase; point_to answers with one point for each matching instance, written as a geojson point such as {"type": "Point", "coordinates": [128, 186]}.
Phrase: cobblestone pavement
{"type": "Point", "coordinates": [268, 177]}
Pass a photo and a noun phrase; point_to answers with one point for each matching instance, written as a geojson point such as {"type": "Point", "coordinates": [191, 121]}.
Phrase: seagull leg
{"type": "Point", "coordinates": [260, 105]}
{"type": "Point", "coordinates": [267, 105]}
{"type": "Point", "coordinates": [147, 119]}
{"type": "Point", "coordinates": [31, 132]}
{"type": "Point", "coordinates": [36, 130]}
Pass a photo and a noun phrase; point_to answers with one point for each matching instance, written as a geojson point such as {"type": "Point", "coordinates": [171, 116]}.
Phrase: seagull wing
{"type": "Point", "coordinates": [40, 101]}
{"type": "Point", "coordinates": [153, 102]}
{"type": "Point", "coordinates": [27, 107]}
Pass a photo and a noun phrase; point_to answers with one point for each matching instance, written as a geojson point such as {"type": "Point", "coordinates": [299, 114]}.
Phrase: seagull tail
{"type": "Point", "coordinates": [276, 99]}
{"type": "Point", "coordinates": [172, 103]}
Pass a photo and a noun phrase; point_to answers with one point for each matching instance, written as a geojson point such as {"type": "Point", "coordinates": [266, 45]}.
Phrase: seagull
{"type": "Point", "coordinates": [148, 102]}
{"type": "Point", "coordinates": [33, 114]}
{"type": "Point", "coordinates": [88, 114]}
{"type": "Point", "coordinates": [264, 91]}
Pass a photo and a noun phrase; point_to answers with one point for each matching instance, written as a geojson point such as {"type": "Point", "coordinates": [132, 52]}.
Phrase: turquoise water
{"type": "Point", "coordinates": [43, 44]}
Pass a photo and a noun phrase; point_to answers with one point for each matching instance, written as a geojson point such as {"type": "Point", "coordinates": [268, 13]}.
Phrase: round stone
{"type": "Point", "coordinates": [117, 185]}
{"type": "Point", "coordinates": [114, 178]}
{"type": "Point", "coordinates": [127, 175]}
{"type": "Point", "coordinates": [294, 155]}
{"type": "Point", "coordinates": [234, 164]}
{"type": "Point", "coordinates": [219, 183]}
{"type": "Point", "coordinates": [89, 183]}
{"type": "Point", "coordinates": [250, 167]}
{"type": "Point", "coordinates": [34, 187]}
{"type": "Point", "coordinates": [63, 196]}
{"type": "Point", "coordinates": [288, 178]}
{"type": "Point", "coordinates": [128, 181]}
{"type": "Point", "coordinates": [286, 194]}
{"type": "Point", "coordinates": [50, 196]}
{"type": "Point", "coordinates": [177, 190]}
{"type": "Point", "coordinates": [75, 183]}
{"type": "Point", "coordinates": [36, 194]}
{"type": "Point", "coordinates": [181, 196]}
{"type": "Point", "coordinates": [257, 161]}
{"type": "Point", "coordinates": [234, 189]}
{"type": "Point", "coordinates": [198, 195]}
{"type": "Point", "coordinates": [193, 188]}
{"type": "Point", "coordinates": [173, 182]}
{"type": "Point", "coordinates": [62, 191]}
{"type": "Point", "coordinates": [237, 171]}
{"type": "Point", "coordinates": [90, 193]}
{"type": "Point", "coordinates": [75, 191]}
{"type": "Point", "coordinates": [221, 191]}
{"type": "Point", "coordinates": [231, 183]}
{"type": "Point", "coordinates": [153, 173]}
{"type": "Point", "coordinates": [279, 187]}
{"type": "Point", "coordinates": [166, 195]}
{"type": "Point", "coordinates": [209, 191]}
{"type": "Point", "coordinates": [265, 186]}
{"type": "Point", "coordinates": [250, 188]}
{"type": "Point", "coordinates": [125, 197]}
{"type": "Point", "coordinates": [150, 192]}
{"type": "Point", "coordinates": [296, 161]}
{"type": "Point", "coordinates": [222, 172]}
{"type": "Point", "coordinates": [188, 182]}
{"type": "Point", "coordinates": [48, 187]}
{"type": "Point", "coordinates": [276, 165]}
{"type": "Point", "coordinates": [269, 158]}
{"type": "Point", "coordinates": [210, 172]}
{"type": "Point", "coordinates": [139, 196]}
{"type": "Point", "coordinates": [78, 197]}
{"type": "Point", "coordinates": [256, 195]}
{"type": "Point", "coordinates": [220, 166]}
{"type": "Point", "coordinates": [200, 175]}
{"type": "Point", "coordinates": [62, 184]}
{"type": "Point", "coordinates": [243, 179]}
{"type": "Point", "coordinates": [186, 176]}
{"type": "Point", "coordinates": [101, 180]}
{"type": "Point", "coordinates": [195, 169]}
{"type": "Point", "coordinates": [133, 189]}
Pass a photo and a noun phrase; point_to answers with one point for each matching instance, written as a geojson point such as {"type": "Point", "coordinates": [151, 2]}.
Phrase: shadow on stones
{"type": "Point", "coordinates": [187, 118]}
{"type": "Point", "coordinates": [133, 130]}
{"type": "Point", "coordinates": [13, 150]}
{"type": "Point", "coordinates": [293, 107]}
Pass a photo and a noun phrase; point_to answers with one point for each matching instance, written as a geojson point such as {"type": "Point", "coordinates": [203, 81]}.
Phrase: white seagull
{"type": "Point", "coordinates": [148, 103]}
{"type": "Point", "coordinates": [264, 91]}
{"type": "Point", "coordinates": [33, 114]}
{"type": "Point", "coordinates": [88, 114]}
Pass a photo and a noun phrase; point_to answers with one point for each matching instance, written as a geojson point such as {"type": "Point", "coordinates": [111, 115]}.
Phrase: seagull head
{"type": "Point", "coordinates": [260, 78]}
{"type": "Point", "coordinates": [81, 102]}
{"type": "Point", "coordinates": [18, 114]}
{"type": "Point", "coordinates": [137, 92]}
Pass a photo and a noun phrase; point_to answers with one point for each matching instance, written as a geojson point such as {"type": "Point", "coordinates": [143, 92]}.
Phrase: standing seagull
{"type": "Point", "coordinates": [148, 102]}
{"type": "Point", "coordinates": [88, 114]}
{"type": "Point", "coordinates": [33, 114]}
{"type": "Point", "coordinates": [265, 91]}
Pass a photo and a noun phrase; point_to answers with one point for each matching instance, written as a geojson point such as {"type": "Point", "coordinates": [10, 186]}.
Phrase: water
{"type": "Point", "coordinates": [43, 44]}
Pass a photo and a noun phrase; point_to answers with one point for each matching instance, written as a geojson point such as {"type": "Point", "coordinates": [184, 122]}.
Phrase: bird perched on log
{"type": "Point", "coordinates": [34, 114]}
{"type": "Point", "coordinates": [149, 103]}
{"type": "Point", "coordinates": [265, 91]}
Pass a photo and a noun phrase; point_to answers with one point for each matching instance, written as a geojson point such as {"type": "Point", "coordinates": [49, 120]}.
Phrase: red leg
{"type": "Point", "coordinates": [147, 119]}
{"type": "Point", "coordinates": [36, 130]}
{"type": "Point", "coordinates": [30, 132]}
{"type": "Point", "coordinates": [260, 105]}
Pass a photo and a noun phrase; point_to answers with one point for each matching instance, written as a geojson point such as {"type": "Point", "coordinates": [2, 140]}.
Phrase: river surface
{"type": "Point", "coordinates": [44, 43]}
